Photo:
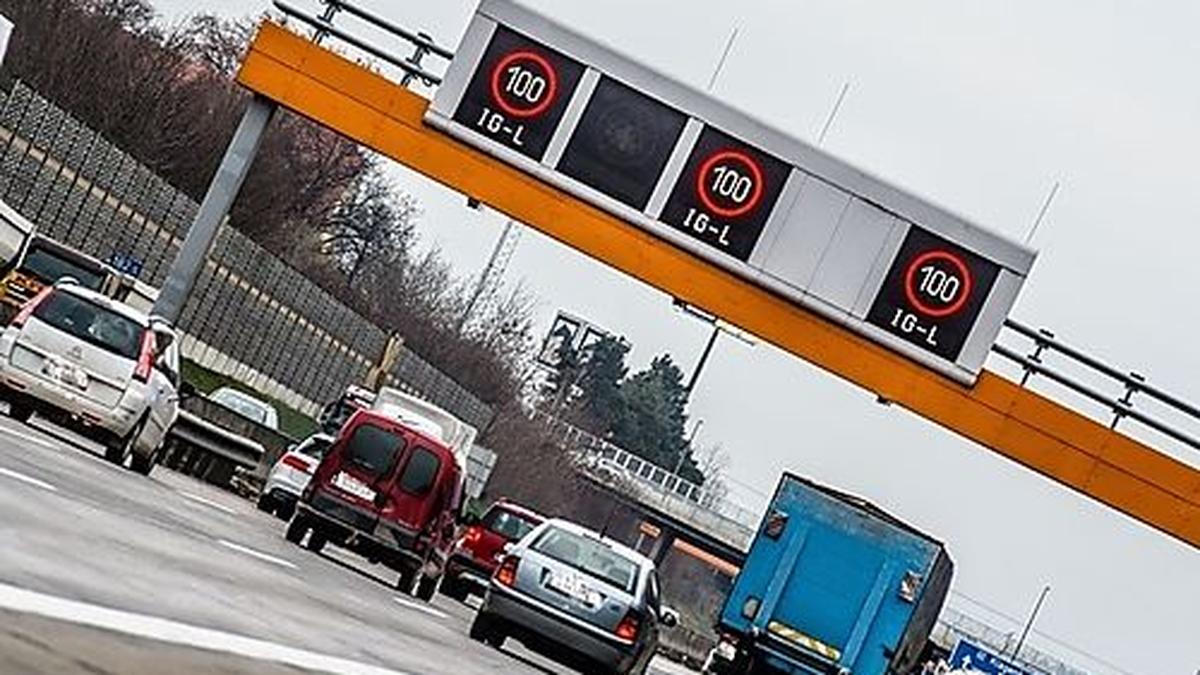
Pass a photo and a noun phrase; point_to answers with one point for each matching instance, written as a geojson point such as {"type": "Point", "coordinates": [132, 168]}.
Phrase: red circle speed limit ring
{"type": "Point", "coordinates": [524, 84]}
{"type": "Point", "coordinates": [937, 283]}
{"type": "Point", "coordinates": [730, 184]}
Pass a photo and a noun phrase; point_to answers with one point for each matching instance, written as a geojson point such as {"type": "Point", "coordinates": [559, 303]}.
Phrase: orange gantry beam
{"type": "Point", "coordinates": [1022, 425]}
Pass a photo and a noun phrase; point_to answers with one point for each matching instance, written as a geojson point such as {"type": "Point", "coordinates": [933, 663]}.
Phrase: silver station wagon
{"type": "Point", "coordinates": [578, 597]}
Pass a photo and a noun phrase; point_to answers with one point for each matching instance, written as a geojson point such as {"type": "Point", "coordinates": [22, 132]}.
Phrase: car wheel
{"type": "Point", "coordinates": [485, 629]}
{"type": "Point", "coordinates": [404, 582]}
{"type": "Point", "coordinates": [266, 503]}
{"type": "Point", "coordinates": [20, 412]}
{"type": "Point", "coordinates": [285, 511]}
{"type": "Point", "coordinates": [316, 541]}
{"type": "Point", "coordinates": [454, 589]}
{"type": "Point", "coordinates": [426, 587]}
{"type": "Point", "coordinates": [296, 530]}
{"type": "Point", "coordinates": [118, 450]}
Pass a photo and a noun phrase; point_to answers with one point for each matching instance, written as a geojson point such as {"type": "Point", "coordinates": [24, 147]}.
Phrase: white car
{"type": "Point", "coordinates": [96, 365]}
{"type": "Point", "coordinates": [253, 409]}
{"type": "Point", "coordinates": [291, 474]}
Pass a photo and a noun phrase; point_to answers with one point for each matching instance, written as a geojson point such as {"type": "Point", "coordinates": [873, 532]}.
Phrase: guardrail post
{"type": "Point", "coordinates": [1036, 357]}
{"type": "Point", "coordinates": [1132, 386]}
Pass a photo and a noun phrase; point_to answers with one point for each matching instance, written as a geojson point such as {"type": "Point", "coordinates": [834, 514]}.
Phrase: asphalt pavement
{"type": "Point", "coordinates": [104, 571]}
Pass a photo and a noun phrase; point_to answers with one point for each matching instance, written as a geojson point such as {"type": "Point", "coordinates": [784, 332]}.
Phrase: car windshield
{"type": "Point", "coordinates": [49, 267]}
{"type": "Point", "coordinates": [591, 556]}
{"type": "Point", "coordinates": [373, 449]}
{"type": "Point", "coordinates": [508, 524]}
{"type": "Point", "coordinates": [90, 322]}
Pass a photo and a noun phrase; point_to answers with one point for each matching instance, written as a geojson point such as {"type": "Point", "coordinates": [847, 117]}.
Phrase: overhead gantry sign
{"type": "Point", "coordinates": [773, 210]}
{"type": "Point", "coordinates": [771, 235]}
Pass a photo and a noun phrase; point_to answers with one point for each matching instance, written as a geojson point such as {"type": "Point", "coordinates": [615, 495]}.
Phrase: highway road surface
{"type": "Point", "coordinates": [103, 571]}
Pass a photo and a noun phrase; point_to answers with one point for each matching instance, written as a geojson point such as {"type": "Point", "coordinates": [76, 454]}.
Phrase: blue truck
{"type": "Point", "coordinates": [833, 585]}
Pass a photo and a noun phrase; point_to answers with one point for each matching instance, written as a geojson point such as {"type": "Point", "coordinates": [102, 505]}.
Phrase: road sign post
{"type": "Point", "coordinates": [232, 172]}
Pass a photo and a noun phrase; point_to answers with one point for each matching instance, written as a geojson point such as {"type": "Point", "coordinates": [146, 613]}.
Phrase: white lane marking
{"type": "Point", "coordinates": [257, 554]}
{"type": "Point", "coordinates": [178, 633]}
{"type": "Point", "coordinates": [421, 608]}
{"type": "Point", "coordinates": [28, 480]}
{"type": "Point", "coordinates": [207, 502]}
{"type": "Point", "coordinates": [44, 442]}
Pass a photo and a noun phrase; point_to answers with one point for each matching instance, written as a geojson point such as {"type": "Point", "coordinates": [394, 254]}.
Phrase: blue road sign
{"type": "Point", "coordinates": [127, 264]}
{"type": "Point", "coordinates": [971, 658]}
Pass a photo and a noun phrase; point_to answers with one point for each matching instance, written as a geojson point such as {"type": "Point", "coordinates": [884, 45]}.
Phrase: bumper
{"type": "Point", "coordinates": [352, 528]}
{"type": "Point", "coordinates": [58, 400]}
{"type": "Point", "coordinates": [528, 620]}
{"type": "Point", "coordinates": [471, 572]}
{"type": "Point", "coordinates": [284, 484]}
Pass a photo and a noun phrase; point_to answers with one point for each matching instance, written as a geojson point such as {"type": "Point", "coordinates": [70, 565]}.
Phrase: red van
{"type": "Point", "coordinates": [476, 554]}
{"type": "Point", "coordinates": [388, 492]}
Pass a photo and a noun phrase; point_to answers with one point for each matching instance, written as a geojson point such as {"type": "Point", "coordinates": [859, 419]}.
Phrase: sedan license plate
{"type": "Point", "coordinates": [354, 486]}
{"type": "Point", "coordinates": [572, 586]}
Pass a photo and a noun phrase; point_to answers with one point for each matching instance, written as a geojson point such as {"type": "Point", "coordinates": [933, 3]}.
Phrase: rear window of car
{"type": "Point", "coordinates": [507, 524]}
{"type": "Point", "coordinates": [590, 556]}
{"type": "Point", "coordinates": [92, 323]}
{"type": "Point", "coordinates": [373, 449]}
{"type": "Point", "coordinates": [420, 472]}
{"type": "Point", "coordinates": [49, 267]}
{"type": "Point", "coordinates": [314, 447]}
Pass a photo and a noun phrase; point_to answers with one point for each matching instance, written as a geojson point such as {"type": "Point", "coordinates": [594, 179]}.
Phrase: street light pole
{"type": "Point", "coordinates": [712, 340]}
{"type": "Point", "coordinates": [1029, 625]}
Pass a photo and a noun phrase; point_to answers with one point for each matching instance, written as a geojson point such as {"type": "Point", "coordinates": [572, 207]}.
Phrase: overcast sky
{"type": "Point", "coordinates": [980, 107]}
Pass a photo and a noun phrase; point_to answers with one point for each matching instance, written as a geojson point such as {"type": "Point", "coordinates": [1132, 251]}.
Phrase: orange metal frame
{"type": "Point", "coordinates": [1022, 425]}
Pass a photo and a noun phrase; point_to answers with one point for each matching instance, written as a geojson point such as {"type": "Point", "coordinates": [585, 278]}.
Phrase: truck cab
{"type": "Point", "coordinates": [44, 261]}
{"type": "Point", "coordinates": [832, 584]}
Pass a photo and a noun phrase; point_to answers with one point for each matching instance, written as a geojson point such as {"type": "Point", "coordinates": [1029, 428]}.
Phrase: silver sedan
{"type": "Point", "coordinates": [578, 597]}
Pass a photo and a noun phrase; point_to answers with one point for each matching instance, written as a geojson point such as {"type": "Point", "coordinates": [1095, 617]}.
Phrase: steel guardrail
{"type": "Point", "coordinates": [323, 25]}
{"type": "Point", "coordinates": [1122, 406]}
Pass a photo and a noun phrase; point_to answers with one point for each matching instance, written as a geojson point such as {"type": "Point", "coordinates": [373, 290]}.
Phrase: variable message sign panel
{"type": "Point", "coordinates": [739, 194]}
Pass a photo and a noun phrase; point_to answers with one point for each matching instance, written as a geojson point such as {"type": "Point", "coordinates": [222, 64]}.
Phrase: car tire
{"type": "Point", "coordinates": [426, 587]}
{"type": "Point", "coordinates": [266, 503]}
{"type": "Point", "coordinates": [316, 541]}
{"type": "Point", "coordinates": [20, 412]}
{"type": "Point", "coordinates": [285, 511]}
{"type": "Point", "coordinates": [143, 465]}
{"type": "Point", "coordinates": [296, 529]}
{"type": "Point", "coordinates": [486, 629]}
{"type": "Point", "coordinates": [454, 589]}
{"type": "Point", "coordinates": [117, 450]}
{"type": "Point", "coordinates": [404, 582]}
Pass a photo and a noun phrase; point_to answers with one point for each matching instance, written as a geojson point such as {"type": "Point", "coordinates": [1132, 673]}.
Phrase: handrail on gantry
{"type": "Point", "coordinates": [1122, 407]}
{"type": "Point", "coordinates": [412, 65]}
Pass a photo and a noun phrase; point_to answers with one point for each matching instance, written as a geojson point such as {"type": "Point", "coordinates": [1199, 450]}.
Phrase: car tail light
{"type": "Point", "coordinates": [145, 362]}
{"type": "Point", "coordinates": [472, 536]}
{"type": "Point", "coordinates": [296, 463]}
{"type": "Point", "coordinates": [27, 311]}
{"type": "Point", "coordinates": [506, 574]}
{"type": "Point", "coordinates": [629, 627]}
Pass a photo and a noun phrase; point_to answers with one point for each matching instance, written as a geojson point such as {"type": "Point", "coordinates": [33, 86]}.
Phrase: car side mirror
{"type": "Point", "coordinates": [669, 617]}
{"type": "Point", "coordinates": [187, 390]}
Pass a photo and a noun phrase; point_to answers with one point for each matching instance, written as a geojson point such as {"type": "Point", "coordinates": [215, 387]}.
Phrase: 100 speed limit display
{"type": "Point", "coordinates": [519, 93]}
{"type": "Point", "coordinates": [725, 194]}
{"type": "Point", "coordinates": [933, 293]}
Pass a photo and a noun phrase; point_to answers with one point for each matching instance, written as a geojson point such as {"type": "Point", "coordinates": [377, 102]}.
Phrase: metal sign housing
{"type": "Point", "coordinates": [730, 189]}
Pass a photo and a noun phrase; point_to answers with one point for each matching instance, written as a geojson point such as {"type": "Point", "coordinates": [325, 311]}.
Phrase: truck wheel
{"type": "Point", "coordinates": [296, 530]}
{"type": "Point", "coordinates": [142, 465]}
{"type": "Point", "coordinates": [20, 412]}
{"type": "Point", "coordinates": [426, 587]}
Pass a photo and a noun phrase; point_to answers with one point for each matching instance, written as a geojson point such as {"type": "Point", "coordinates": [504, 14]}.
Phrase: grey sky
{"type": "Point", "coordinates": [980, 107]}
